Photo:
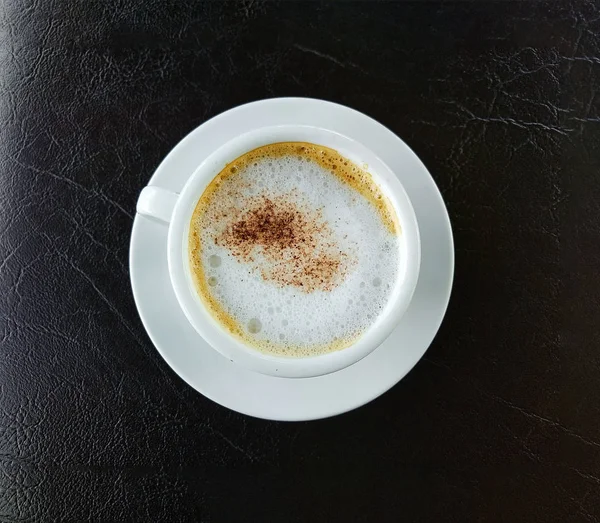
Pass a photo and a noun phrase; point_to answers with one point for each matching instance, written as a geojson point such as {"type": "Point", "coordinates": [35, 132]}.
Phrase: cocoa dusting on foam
{"type": "Point", "coordinates": [291, 244]}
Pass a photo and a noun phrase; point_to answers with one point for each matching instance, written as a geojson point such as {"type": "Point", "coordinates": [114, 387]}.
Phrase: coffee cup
{"type": "Point", "coordinates": [176, 210]}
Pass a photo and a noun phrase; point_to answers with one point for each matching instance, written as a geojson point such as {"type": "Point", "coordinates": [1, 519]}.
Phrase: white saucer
{"type": "Point", "coordinates": [278, 398]}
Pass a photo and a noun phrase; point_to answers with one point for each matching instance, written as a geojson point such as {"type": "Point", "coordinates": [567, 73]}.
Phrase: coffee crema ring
{"type": "Point", "coordinates": [294, 249]}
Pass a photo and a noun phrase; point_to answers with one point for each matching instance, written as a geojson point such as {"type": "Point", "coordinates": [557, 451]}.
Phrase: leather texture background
{"type": "Point", "coordinates": [501, 419]}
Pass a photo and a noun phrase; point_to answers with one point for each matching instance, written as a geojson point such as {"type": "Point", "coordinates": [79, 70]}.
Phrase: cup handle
{"type": "Point", "coordinates": [157, 203]}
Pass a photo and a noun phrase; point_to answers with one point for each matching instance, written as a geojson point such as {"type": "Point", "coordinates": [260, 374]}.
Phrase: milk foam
{"type": "Point", "coordinates": [284, 319]}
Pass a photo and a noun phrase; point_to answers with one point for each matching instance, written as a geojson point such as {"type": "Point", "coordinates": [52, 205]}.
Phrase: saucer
{"type": "Point", "coordinates": [259, 395]}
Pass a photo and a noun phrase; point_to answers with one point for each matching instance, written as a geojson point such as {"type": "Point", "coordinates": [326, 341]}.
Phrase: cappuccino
{"type": "Point", "coordinates": [294, 249]}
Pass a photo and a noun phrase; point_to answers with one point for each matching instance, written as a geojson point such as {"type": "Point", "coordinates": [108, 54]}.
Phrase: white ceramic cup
{"type": "Point", "coordinates": [176, 210]}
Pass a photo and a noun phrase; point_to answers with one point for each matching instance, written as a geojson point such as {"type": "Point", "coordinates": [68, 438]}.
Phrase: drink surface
{"type": "Point", "coordinates": [294, 249]}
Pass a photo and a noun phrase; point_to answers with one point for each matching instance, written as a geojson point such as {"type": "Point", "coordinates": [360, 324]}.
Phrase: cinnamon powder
{"type": "Point", "coordinates": [289, 244]}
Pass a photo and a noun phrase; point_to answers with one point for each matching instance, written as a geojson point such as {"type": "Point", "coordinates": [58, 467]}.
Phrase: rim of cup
{"type": "Point", "coordinates": [216, 334]}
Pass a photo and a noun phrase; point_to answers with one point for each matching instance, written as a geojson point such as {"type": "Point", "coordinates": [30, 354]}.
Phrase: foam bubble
{"type": "Point", "coordinates": [254, 326]}
{"type": "Point", "coordinates": [214, 260]}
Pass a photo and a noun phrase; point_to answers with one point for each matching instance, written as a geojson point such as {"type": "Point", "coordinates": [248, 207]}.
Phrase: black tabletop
{"type": "Point", "coordinates": [500, 421]}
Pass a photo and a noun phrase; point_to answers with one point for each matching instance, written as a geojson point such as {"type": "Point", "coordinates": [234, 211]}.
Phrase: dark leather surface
{"type": "Point", "coordinates": [501, 419]}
